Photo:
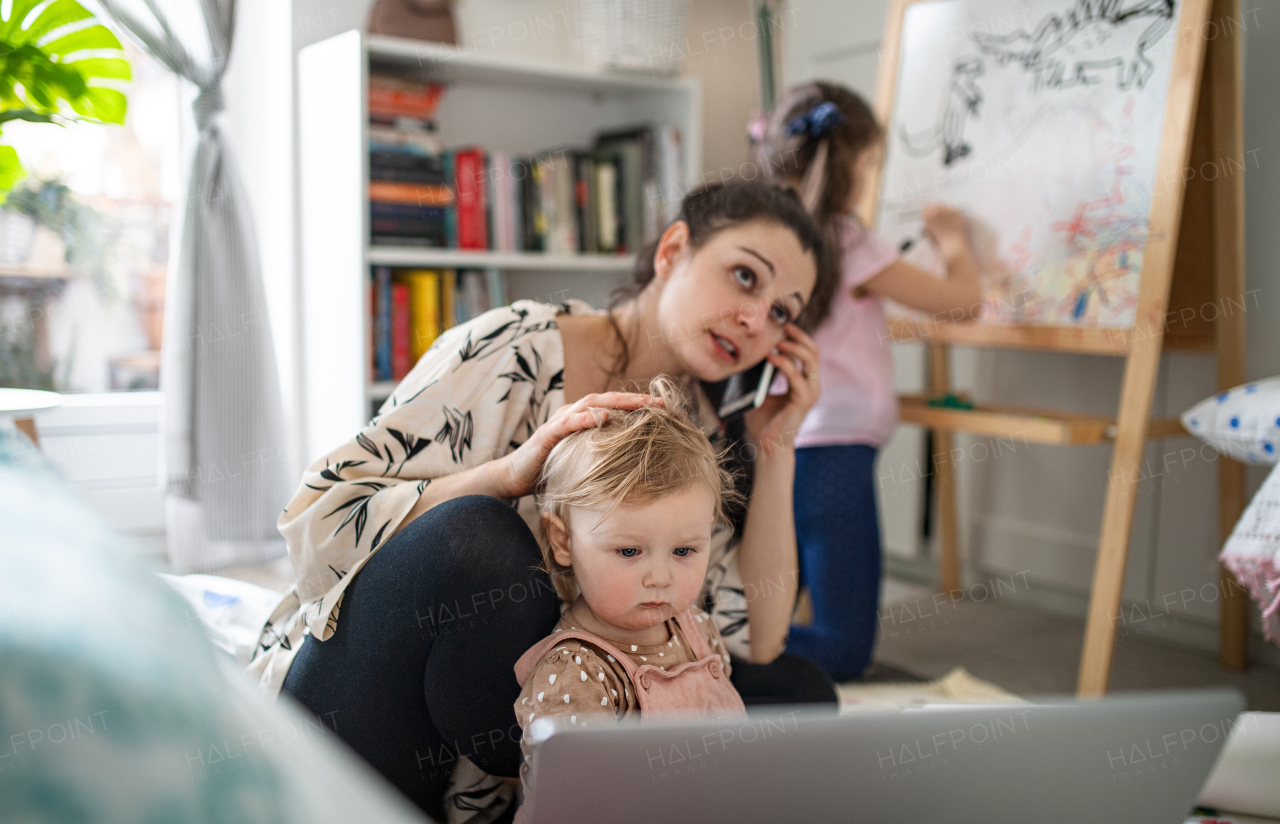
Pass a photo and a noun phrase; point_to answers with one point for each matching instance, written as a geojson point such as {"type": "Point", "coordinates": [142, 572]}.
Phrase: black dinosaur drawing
{"type": "Point", "coordinates": [961, 101]}
{"type": "Point", "coordinates": [1070, 49]}
{"type": "Point", "coordinates": [1064, 50]}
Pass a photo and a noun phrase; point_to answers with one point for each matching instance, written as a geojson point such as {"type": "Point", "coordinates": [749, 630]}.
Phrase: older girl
{"type": "Point", "coordinates": [414, 543]}
{"type": "Point", "coordinates": [823, 140]}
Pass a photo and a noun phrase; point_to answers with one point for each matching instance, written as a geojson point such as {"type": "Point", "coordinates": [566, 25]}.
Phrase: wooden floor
{"type": "Point", "coordinates": [1032, 653]}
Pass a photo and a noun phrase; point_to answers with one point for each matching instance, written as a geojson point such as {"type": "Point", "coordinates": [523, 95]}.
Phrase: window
{"type": "Point", "coordinates": [82, 283]}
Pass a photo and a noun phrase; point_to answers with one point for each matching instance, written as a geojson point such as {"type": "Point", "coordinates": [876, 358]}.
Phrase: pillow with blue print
{"type": "Point", "coordinates": [1241, 423]}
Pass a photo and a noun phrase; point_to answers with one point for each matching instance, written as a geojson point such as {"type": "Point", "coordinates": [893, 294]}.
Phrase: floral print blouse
{"type": "Point", "coordinates": [479, 392]}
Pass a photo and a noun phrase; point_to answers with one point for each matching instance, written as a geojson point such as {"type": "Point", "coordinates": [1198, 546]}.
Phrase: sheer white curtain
{"type": "Point", "coordinates": [224, 443]}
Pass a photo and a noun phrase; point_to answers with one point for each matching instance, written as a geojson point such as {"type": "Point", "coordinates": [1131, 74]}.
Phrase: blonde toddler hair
{"type": "Point", "coordinates": [635, 456]}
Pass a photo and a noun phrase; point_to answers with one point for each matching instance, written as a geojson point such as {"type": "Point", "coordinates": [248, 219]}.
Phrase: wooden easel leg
{"type": "Point", "coordinates": [1117, 519]}
{"type": "Point", "coordinates": [1223, 70]}
{"type": "Point", "coordinates": [944, 475]}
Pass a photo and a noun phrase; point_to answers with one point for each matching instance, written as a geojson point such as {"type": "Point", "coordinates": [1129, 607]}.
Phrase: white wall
{"type": "Point", "coordinates": [1038, 509]}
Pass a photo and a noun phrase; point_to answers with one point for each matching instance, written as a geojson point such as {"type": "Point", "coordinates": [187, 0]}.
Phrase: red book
{"type": "Point", "coordinates": [472, 205]}
{"type": "Point", "coordinates": [401, 331]}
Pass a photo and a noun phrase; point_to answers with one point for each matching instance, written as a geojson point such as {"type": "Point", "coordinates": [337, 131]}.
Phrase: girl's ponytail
{"type": "Point", "coordinates": [811, 142]}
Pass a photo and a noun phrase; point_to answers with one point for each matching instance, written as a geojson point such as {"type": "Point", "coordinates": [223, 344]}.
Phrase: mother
{"type": "Point", "coordinates": [418, 679]}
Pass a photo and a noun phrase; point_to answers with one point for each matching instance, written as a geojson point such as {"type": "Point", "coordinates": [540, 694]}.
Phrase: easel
{"type": "Point", "coordinates": [1207, 219]}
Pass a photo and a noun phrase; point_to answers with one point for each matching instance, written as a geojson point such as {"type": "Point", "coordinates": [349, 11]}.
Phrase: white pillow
{"type": "Point", "coordinates": [1242, 423]}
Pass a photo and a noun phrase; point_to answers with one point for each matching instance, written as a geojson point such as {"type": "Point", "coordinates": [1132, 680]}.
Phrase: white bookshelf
{"type": "Point", "coordinates": [504, 105]}
{"type": "Point", "coordinates": [511, 261]}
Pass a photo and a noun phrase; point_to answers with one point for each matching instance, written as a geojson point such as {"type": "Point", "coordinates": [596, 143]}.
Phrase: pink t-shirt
{"type": "Point", "coordinates": [858, 403]}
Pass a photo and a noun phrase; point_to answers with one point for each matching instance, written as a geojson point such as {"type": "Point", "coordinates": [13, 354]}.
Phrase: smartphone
{"type": "Point", "coordinates": [740, 393]}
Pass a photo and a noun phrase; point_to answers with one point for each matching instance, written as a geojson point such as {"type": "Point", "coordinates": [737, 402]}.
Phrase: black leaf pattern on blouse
{"type": "Point", "coordinates": [358, 508]}
{"type": "Point", "coordinates": [410, 443]}
{"type": "Point", "coordinates": [524, 375]}
{"type": "Point", "coordinates": [366, 443]}
{"type": "Point", "coordinates": [487, 345]}
{"type": "Point", "coordinates": [493, 342]}
{"type": "Point", "coordinates": [556, 382]}
{"type": "Point", "coordinates": [737, 618]}
{"type": "Point", "coordinates": [377, 538]}
{"type": "Point", "coordinates": [414, 396]}
{"type": "Point", "coordinates": [334, 473]}
{"type": "Point", "coordinates": [457, 431]}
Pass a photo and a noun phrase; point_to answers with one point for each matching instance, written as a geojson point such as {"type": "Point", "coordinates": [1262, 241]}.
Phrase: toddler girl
{"type": "Point", "coordinates": [627, 508]}
{"type": "Point", "coordinates": [823, 140]}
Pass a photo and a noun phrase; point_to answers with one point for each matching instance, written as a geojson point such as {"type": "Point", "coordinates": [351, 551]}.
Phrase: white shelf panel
{"type": "Point", "coordinates": [450, 63]}
{"type": "Point", "coordinates": [466, 259]}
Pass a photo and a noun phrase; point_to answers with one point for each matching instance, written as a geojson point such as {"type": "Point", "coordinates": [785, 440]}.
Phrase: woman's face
{"type": "Point", "coordinates": [723, 307]}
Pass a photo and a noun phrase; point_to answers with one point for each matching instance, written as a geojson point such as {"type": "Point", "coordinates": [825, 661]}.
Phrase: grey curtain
{"type": "Point", "coordinates": [225, 467]}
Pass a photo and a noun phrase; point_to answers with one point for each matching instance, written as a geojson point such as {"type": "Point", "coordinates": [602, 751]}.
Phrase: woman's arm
{"type": "Point", "coordinates": [767, 557]}
{"type": "Point", "coordinates": [956, 297]}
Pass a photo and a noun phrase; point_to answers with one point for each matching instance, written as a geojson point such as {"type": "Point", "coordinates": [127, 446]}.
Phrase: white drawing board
{"type": "Point", "coordinates": [1042, 119]}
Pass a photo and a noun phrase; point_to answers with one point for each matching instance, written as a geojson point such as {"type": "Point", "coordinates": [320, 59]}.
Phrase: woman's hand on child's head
{"type": "Point", "coordinates": [947, 227]}
{"type": "Point", "coordinates": [774, 424]}
{"type": "Point", "coordinates": [523, 466]}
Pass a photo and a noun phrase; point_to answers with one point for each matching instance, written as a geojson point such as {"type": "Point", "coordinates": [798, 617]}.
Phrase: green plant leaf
{"type": "Point", "coordinates": [55, 58]}
{"type": "Point", "coordinates": [11, 171]}
{"type": "Point", "coordinates": [25, 114]}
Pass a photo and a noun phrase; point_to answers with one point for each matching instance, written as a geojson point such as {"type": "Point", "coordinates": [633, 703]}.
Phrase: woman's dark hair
{"type": "Point", "coordinates": [819, 157]}
{"type": "Point", "coordinates": [709, 210]}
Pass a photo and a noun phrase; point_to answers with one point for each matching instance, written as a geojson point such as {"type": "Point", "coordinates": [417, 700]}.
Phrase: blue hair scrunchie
{"type": "Point", "coordinates": [816, 121]}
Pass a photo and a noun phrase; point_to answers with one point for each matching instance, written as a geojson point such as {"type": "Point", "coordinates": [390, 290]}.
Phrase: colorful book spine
{"type": "Point", "coordinates": [397, 96]}
{"type": "Point", "coordinates": [469, 167]}
{"type": "Point", "coordinates": [500, 210]}
{"type": "Point", "coordinates": [451, 220]}
{"type": "Point", "coordinates": [417, 142]}
{"type": "Point", "coordinates": [475, 298]}
{"type": "Point", "coordinates": [515, 172]}
{"type": "Point", "coordinates": [409, 193]}
{"type": "Point", "coordinates": [497, 287]}
{"type": "Point", "coordinates": [424, 302]}
{"type": "Point", "coordinates": [401, 332]}
{"type": "Point", "coordinates": [382, 323]}
{"type": "Point", "coordinates": [448, 297]}
{"type": "Point", "coordinates": [607, 206]}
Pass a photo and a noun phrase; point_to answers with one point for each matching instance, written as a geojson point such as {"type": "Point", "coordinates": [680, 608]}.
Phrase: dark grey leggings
{"type": "Point", "coordinates": [419, 670]}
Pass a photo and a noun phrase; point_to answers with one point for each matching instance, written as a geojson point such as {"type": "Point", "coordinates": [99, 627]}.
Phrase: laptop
{"type": "Point", "coordinates": [1136, 758]}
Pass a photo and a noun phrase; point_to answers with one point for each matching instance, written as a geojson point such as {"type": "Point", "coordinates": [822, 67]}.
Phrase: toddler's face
{"type": "Point", "coordinates": [643, 562]}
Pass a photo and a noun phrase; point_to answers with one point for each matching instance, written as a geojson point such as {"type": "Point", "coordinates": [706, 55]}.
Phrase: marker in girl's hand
{"type": "Point", "coordinates": [906, 245]}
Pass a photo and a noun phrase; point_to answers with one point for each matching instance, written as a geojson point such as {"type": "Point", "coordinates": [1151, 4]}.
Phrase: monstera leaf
{"type": "Point", "coordinates": [57, 59]}
{"type": "Point", "coordinates": [57, 62]}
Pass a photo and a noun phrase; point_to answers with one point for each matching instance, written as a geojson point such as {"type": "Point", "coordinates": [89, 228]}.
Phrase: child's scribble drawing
{"type": "Point", "coordinates": [1078, 87]}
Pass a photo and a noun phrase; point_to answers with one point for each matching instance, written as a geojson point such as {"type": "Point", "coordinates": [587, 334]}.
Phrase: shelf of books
{"type": "Point", "coordinates": [437, 183]}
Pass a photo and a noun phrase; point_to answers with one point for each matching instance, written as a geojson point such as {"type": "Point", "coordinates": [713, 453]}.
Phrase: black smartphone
{"type": "Point", "coordinates": [740, 393]}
